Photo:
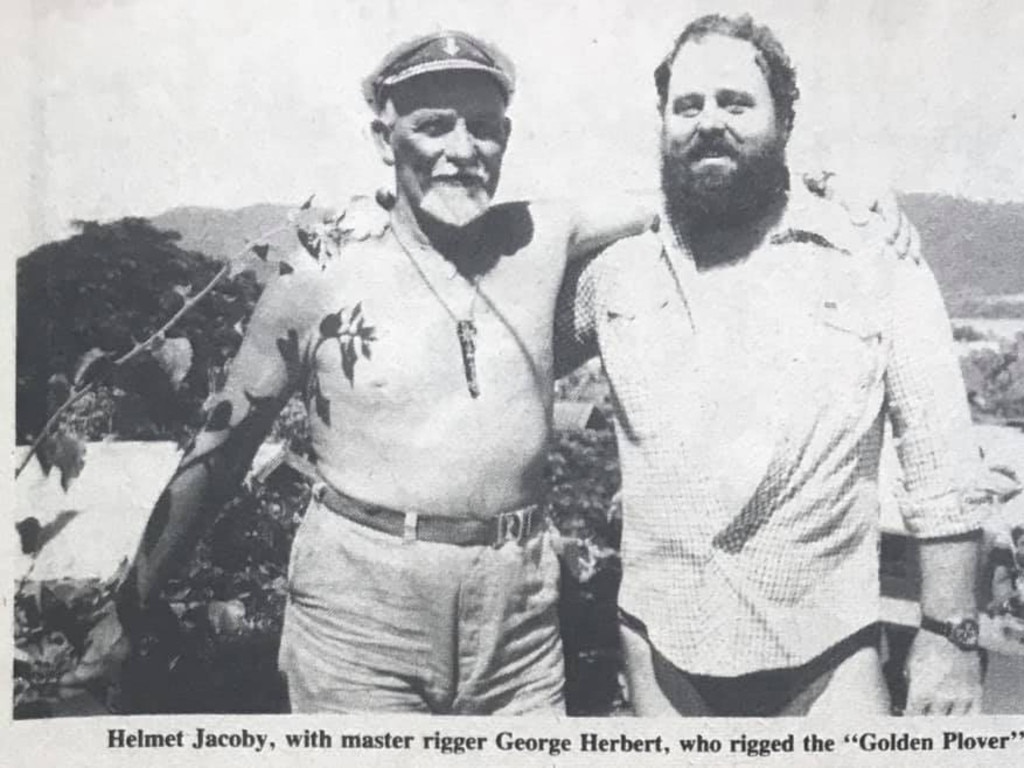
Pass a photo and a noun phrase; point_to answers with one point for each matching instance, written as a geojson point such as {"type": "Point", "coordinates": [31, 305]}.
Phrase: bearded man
{"type": "Point", "coordinates": [422, 578]}
{"type": "Point", "coordinates": [755, 347]}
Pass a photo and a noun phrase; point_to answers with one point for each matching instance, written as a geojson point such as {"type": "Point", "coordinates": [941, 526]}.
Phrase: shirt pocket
{"type": "Point", "coordinates": [645, 352]}
{"type": "Point", "coordinates": [636, 303]}
{"type": "Point", "coordinates": [850, 332]}
{"type": "Point", "coordinates": [634, 331]}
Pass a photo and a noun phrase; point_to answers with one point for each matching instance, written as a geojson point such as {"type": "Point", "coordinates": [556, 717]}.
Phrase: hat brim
{"type": "Point", "coordinates": [374, 92]}
{"type": "Point", "coordinates": [446, 66]}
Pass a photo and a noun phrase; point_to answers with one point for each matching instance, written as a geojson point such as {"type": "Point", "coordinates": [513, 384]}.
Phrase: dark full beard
{"type": "Point", "coordinates": [702, 202]}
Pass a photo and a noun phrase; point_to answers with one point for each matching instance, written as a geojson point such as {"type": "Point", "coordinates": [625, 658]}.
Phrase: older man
{"type": "Point", "coordinates": [422, 577]}
{"type": "Point", "coordinates": [755, 347]}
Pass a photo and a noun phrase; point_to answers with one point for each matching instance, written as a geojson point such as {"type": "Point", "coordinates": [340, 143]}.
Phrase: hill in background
{"type": "Point", "coordinates": [977, 252]}
{"type": "Point", "coordinates": [976, 248]}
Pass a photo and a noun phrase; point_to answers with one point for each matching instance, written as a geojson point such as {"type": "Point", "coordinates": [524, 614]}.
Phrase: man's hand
{"type": "Point", "coordinates": [363, 218]}
{"type": "Point", "coordinates": [865, 208]}
{"type": "Point", "coordinates": [106, 650]}
{"type": "Point", "coordinates": [942, 678]}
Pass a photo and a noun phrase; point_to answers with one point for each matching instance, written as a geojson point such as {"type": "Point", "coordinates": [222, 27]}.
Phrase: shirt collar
{"type": "Point", "coordinates": [808, 217]}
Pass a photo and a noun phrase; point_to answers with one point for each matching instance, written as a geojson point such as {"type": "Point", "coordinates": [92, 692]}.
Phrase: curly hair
{"type": "Point", "coordinates": [771, 58]}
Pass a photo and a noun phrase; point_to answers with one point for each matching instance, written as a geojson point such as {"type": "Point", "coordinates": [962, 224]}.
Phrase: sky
{"type": "Point", "coordinates": [121, 107]}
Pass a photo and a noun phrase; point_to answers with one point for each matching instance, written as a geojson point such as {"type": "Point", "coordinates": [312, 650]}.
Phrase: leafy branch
{"type": "Point", "coordinates": [52, 628]}
{"type": "Point", "coordinates": [321, 235]}
{"type": "Point", "coordinates": [97, 365]}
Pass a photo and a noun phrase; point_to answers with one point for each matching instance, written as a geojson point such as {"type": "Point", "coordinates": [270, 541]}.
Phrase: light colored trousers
{"type": "Point", "coordinates": [377, 624]}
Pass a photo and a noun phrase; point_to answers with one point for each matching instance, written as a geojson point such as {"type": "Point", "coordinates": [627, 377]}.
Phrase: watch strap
{"type": "Point", "coordinates": [944, 628]}
{"type": "Point", "coordinates": [963, 633]}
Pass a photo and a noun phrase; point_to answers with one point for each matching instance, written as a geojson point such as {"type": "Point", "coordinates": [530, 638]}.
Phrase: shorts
{"type": "Point", "coordinates": [378, 624]}
{"type": "Point", "coordinates": [788, 692]}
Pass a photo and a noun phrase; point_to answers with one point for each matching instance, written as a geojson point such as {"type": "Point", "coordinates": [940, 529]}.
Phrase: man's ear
{"type": "Point", "coordinates": [507, 125]}
{"type": "Point", "coordinates": [382, 139]}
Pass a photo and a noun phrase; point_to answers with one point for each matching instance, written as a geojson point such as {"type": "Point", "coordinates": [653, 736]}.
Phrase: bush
{"type": "Point", "coordinates": [995, 379]}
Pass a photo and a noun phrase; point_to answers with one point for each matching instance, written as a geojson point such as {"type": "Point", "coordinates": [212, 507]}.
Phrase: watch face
{"type": "Point", "coordinates": [965, 634]}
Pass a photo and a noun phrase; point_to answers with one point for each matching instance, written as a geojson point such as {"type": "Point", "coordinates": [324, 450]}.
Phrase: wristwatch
{"type": "Point", "coordinates": [963, 633]}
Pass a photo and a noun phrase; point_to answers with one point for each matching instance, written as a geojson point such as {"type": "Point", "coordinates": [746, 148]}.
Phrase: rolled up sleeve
{"type": "Point", "coordinates": [927, 405]}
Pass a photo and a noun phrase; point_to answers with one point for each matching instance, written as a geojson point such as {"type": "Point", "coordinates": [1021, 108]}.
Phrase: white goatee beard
{"type": "Point", "coordinates": [455, 207]}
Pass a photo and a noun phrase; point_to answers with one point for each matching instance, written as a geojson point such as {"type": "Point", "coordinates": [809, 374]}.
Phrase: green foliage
{"type": "Point", "coordinates": [292, 427]}
{"type": "Point", "coordinates": [50, 628]}
{"type": "Point", "coordinates": [221, 655]}
{"type": "Point", "coordinates": [995, 379]}
{"type": "Point", "coordinates": [584, 477]}
{"type": "Point", "coordinates": [212, 645]}
{"type": "Point", "coordinates": [82, 304]}
{"type": "Point", "coordinates": [583, 471]}
{"type": "Point", "coordinates": [967, 333]}
{"type": "Point", "coordinates": [97, 294]}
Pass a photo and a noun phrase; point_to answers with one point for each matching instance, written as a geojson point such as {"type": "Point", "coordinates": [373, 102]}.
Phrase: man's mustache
{"type": "Point", "coordinates": [711, 146]}
{"type": "Point", "coordinates": [463, 178]}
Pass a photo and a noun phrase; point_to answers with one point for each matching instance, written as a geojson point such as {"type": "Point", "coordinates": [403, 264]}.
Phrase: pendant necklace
{"type": "Point", "coordinates": [465, 328]}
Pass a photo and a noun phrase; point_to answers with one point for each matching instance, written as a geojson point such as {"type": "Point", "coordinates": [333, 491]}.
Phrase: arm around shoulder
{"type": "Point", "coordinates": [598, 222]}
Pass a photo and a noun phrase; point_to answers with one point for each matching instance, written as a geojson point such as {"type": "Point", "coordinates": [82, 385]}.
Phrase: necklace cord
{"type": "Point", "coordinates": [465, 328]}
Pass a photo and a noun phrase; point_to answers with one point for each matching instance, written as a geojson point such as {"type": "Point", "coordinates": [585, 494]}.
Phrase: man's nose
{"type": "Point", "coordinates": [711, 121]}
{"type": "Point", "coordinates": [459, 145]}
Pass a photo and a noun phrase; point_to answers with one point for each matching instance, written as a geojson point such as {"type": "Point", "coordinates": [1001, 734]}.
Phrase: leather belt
{"type": "Point", "coordinates": [517, 526]}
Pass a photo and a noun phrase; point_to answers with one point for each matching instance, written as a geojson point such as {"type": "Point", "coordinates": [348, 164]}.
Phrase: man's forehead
{"type": "Point", "coordinates": [716, 61]}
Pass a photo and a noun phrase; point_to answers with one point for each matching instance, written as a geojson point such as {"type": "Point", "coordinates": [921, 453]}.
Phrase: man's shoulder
{"type": "Point", "coordinates": [291, 299]}
{"type": "Point", "coordinates": [630, 251]}
{"type": "Point", "coordinates": [517, 224]}
{"type": "Point", "coordinates": [813, 218]}
{"type": "Point", "coordinates": [813, 210]}
{"type": "Point", "coordinates": [620, 265]}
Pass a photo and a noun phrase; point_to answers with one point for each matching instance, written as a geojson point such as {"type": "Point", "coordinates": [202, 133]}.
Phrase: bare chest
{"type": "Point", "coordinates": [403, 339]}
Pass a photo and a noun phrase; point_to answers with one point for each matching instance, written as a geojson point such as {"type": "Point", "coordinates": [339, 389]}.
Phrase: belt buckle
{"type": "Point", "coordinates": [513, 526]}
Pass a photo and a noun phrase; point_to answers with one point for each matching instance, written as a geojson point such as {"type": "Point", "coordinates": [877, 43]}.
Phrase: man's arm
{"type": "Point", "coordinates": [575, 329]}
{"type": "Point", "coordinates": [262, 377]}
{"type": "Point", "coordinates": [597, 223]}
{"type": "Point", "coordinates": [932, 426]}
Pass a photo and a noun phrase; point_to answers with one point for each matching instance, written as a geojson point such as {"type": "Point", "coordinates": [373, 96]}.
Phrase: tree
{"type": "Point", "coordinates": [104, 289]}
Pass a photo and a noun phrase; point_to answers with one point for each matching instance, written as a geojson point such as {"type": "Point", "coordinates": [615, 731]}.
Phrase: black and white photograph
{"type": "Point", "coordinates": [582, 362]}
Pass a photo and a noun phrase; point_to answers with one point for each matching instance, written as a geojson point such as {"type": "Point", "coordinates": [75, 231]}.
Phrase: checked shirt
{"type": "Point", "coordinates": [750, 404]}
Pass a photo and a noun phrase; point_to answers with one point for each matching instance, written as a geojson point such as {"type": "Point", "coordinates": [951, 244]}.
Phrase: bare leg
{"type": "Point", "coordinates": [647, 690]}
{"type": "Point", "coordinates": [856, 688]}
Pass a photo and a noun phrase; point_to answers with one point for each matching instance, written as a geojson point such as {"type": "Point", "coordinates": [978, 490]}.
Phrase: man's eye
{"type": "Point", "coordinates": [435, 127]}
{"type": "Point", "coordinates": [686, 108]}
{"type": "Point", "coordinates": [484, 129]}
{"type": "Point", "coordinates": [735, 103]}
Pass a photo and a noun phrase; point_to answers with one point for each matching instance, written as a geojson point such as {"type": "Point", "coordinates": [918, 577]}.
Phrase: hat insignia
{"type": "Point", "coordinates": [450, 46]}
